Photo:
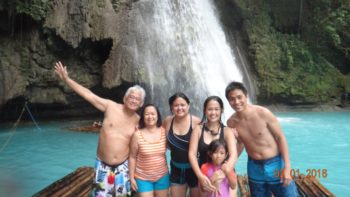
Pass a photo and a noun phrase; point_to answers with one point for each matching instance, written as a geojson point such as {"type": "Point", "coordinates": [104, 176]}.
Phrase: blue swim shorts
{"type": "Point", "coordinates": [263, 179]}
{"type": "Point", "coordinates": [146, 186]}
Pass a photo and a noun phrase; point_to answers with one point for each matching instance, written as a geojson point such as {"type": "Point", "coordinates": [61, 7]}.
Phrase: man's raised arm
{"type": "Point", "coordinates": [96, 101]}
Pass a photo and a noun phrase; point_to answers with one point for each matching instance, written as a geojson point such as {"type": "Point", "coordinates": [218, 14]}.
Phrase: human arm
{"type": "Point", "coordinates": [192, 156]}
{"type": "Point", "coordinates": [195, 121]}
{"type": "Point", "coordinates": [166, 123]}
{"type": "Point", "coordinates": [240, 147]}
{"type": "Point", "coordinates": [98, 102]}
{"type": "Point", "coordinates": [217, 177]}
{"type": "Point", "coordinates": [132, 161]}
{"type": "Point", "coordinates": [276, 130]}
{"type": "Point", "coordinates": [232, 178]}
{"type": "Point", "coordinates": [239, 143]}
{"type": "Point", "coordinates": [232, 150]}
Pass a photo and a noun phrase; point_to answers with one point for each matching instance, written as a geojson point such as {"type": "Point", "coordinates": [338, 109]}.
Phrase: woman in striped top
{"type": "Point", "coordinates": [148, 169]}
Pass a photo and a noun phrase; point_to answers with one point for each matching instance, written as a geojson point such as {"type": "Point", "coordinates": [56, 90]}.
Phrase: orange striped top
{"type": "Point", "coordinates": [151, 162]}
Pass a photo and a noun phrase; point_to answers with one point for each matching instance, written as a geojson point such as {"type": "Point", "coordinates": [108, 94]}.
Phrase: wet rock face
{"type": "Point", "coordinates": [12, 83]}
{"type": "Point", "coordinates": [85, 35]}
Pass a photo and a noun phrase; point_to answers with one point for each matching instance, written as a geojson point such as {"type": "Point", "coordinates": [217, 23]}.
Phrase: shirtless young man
{"type": "Point", "coordinates": [259, 131]}
{"type": "Point", "coordinates": [119, 123]}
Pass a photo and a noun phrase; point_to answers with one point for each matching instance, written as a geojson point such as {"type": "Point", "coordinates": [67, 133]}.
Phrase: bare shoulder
{"type": "Point", "coordinates": [228, 131]}
{"type": "Point", "coordinates": [135, 136]}
{"type": "Point", "coordinates": [264, 112]}
{"type": "Point", "coordinates": [197, 130]}
{"type": "Point", "coordinates": [114, 104]}
{"type": "Point", "coordinates": [161, 129]}
{"type": "Point", "coordinates": [166, 122]}
{"type": "Point", "coordinates": [260, 109]}
{"type": "Point", "coordinates": [232, 121]}
{"type": "Point", "coordinates": [136, 118]}
{"type": "Point", "coordinates": [195, 121]}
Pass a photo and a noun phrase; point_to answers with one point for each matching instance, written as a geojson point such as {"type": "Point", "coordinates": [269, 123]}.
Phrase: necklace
{"type": "Point", "coordinates": [212, 132]}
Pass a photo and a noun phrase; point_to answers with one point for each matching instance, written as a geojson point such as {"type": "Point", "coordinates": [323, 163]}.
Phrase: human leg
{"type": "Point", "coordinates": [146, 194]}
{"type": "Point", "coordinates": [161, 186]}
{"type": "Point", "coordinates": [192, 182]}
{"type": "Point", "coordinates": [178, 190]}
{"type": "Point", "coordinates": [259, 189]}
{"type": "Point", "coordinates": [194, 192]}
{"type": "Point", "coordinates": [103, 175]}
{"type": "Point", "coordinates": [161, 193]}
{"type": "Point", "coordinates": [144, 186]}
{"type": "Point", "coordinates": [256, 176]}
{"type": "Point", "coordinates": [122, 179]}
{"type": "Point", "coordinates": [288, 191]}
{"type": "Point", "coordinates": [177, 180]}
{"type": "Point", "coordinates": [162, 183]}
{"type": "Point", "coordinates": [271, 166]}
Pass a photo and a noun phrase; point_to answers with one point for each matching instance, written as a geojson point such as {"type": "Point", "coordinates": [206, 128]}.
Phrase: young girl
{"type": "Point", "coordinates": [148, 169]}
{"type": "Point", "coordinates": [221, 179]}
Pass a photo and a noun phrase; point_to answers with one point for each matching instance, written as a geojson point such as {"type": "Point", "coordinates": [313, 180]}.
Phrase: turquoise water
{"type": "Point", "coordinates": [319, 141]}
{"type": "Point", "coordinates": [34, 159]}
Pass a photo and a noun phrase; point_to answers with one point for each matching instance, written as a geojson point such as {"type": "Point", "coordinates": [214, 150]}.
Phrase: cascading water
{"type": "Point", "coordinates": [179, 45]}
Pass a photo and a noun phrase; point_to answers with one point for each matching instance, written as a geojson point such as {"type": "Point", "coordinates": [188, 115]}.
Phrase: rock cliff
{"type": "Point", "coordinates": [85, 35]}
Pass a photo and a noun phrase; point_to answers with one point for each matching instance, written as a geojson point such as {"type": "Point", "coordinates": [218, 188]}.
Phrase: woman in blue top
{"type": "Point", "coordinates": [179, 127]}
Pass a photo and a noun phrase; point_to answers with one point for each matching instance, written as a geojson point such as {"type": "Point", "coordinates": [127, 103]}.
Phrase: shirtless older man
{"type": "Point", "coordinates": [119, 124]}
{"type": "Point", "coordinates": [259, 131]}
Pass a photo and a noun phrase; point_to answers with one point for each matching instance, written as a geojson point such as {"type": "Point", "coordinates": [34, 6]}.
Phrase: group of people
{"type": "Point", "coordinates": [131, 152]}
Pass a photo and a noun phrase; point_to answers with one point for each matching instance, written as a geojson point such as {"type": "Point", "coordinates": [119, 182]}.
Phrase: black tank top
{"type": "Point", "coordinates": [203, 147]}
{"type": "Point", "coordinates": [179, 144]}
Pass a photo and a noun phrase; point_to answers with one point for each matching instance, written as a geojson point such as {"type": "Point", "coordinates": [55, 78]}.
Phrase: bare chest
{"type": "Point", "coordinates": [118, 124]}
{"type": "Point", "coordinates": [181, 129]}
{"type": "Point", "coordinates": [251, 128]}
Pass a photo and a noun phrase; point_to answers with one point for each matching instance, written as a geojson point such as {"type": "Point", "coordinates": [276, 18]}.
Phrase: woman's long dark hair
{"type": "Point", "coordinates": [142, 119]}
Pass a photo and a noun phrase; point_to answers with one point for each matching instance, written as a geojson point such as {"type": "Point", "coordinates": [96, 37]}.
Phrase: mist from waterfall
{"type": "Point", "coordinates": [180, 46]}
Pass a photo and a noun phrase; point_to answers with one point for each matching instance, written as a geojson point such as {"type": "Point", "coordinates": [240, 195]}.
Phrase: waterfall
{"type": "Point", "coordinates": [179, 45]}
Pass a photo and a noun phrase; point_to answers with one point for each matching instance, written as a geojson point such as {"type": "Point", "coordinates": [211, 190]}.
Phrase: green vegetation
{"type": "Point", "coordinates": [300, 55]}
{"type": "Point", "coordinates": [36, 9]}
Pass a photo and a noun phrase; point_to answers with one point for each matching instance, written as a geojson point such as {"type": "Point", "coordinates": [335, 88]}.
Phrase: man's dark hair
{"type": "Point", "coordinates": [233, 86]}
{"type": "Point", "coordinates": [142, 119]}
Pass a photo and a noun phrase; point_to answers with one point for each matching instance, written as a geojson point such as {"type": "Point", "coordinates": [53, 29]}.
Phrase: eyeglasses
{"type": "Point", "coordinates": [131, 97]}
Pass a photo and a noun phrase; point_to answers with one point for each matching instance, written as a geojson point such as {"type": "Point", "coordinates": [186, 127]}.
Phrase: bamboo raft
{"type": "Point", "coordinates": [85, 129]}
{"type": "Point", "coordinates": [80, 183]}
{"type": "Point", "coordinates": [307, 187]}
{"type": "Point", "coordinates": [77, 183]}
{"type": "Point", "coordinates": [95, 127]}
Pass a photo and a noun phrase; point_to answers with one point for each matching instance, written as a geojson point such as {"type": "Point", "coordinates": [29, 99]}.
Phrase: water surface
{"type": "Point", "coordinates": [34, 159]}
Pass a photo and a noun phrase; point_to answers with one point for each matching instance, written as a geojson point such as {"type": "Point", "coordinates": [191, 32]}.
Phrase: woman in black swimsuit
{"type": "Point", "coordinates": [211, 128]}
{"type": "Point", "coordinates": [179, 127]}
